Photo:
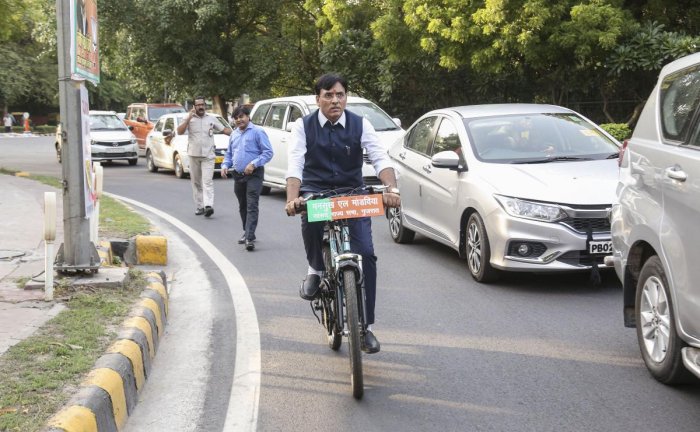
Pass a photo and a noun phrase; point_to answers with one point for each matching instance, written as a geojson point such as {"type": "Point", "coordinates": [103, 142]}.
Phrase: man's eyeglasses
{"type": "Point", "coordinates": [330, 95]}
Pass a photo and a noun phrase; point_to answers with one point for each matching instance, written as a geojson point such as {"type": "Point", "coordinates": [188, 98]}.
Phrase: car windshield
{"type": "Point", "coordinates": [154, 113]}
{"type": "Point", "coordinates": [538, 138]}
{"type": "Point", "coordinates": [377, 118]}
{"type": "Point", "coordinates": [221, 120]}
{"type": "Point", "coordinates": [106, 122]}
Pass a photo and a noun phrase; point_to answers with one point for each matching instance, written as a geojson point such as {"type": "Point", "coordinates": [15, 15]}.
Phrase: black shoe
{"type": "Point", "coordinates": [242, 239]}
{"type": "Point", "coordinates": [249, 245]}
{"type": "Point", "coordinates": [199, 211]}
{"type": "Point", "coordinates": [309, 288]}
{"type": "Point", "coordinates": [208, 211]}
{"type": "Point", "coordinates": [370, 344]}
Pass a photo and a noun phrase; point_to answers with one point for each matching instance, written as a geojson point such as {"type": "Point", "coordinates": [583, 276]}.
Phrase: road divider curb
{"type": "Point", "coordinates": [104, 250]}
{"type": "Point", "coordinates": [109, 393]}
{"type": "Point", "coordinates": [151, 250]}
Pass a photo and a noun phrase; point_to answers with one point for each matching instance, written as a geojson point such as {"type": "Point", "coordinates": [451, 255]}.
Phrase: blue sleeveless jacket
{"type": "Point", "coordinates": [333, 154]}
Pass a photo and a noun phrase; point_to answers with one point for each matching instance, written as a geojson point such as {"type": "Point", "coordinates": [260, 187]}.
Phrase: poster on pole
{"type": "Point", "coordinates": [85, 59]}
{"type": "Point", "coordinates": [89, 190]}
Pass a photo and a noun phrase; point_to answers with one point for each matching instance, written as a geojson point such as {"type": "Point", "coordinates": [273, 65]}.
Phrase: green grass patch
{"type": "Point", "coordinates": [39, 374]}
{"type": "Point", "coordinates": [116, 219]}
{"type": "Point", "coordinates": [22, 281]}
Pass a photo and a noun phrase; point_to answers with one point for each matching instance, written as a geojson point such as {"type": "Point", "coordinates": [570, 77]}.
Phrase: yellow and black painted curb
{"type": "Point", "coordinates": [109, 393]}
{"type": "Point", "coordinates": [151, 250]}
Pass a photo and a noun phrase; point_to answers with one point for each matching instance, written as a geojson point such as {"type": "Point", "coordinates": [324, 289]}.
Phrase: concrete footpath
{"type": "Point", "coordinates": [109, 393]}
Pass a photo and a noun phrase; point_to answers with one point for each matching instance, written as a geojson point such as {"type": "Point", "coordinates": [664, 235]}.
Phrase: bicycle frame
{"type": "Point", "coordinates": [337, 233]}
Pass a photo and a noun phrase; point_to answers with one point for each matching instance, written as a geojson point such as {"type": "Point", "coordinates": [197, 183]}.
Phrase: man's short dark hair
{"type": "Point", "coordinates": [240, 110]}
{"type": "Point", "coordinates": [326, 81]}
{"type": "Point", "coordinates": [196, 98]}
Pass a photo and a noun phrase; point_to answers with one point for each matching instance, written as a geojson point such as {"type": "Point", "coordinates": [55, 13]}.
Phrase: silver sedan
{"type": "Point", "coordinates": [516, 187]}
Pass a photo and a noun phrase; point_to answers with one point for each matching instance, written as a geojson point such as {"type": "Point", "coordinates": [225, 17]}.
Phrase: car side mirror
{"type": "Point", "coordinates": [397, 121]}
{"type": "Point", "coordinates": [130, 127]}
{"type": "Point", "coordinates": [140, 119]}
{"type": "Point", "coordinates": [447, 159]}
{"type": "Point", "coordinates": [167, 132]}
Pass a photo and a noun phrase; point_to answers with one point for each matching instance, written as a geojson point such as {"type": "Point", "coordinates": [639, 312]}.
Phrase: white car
{"type": "Point", "coordinates": [166, 149]}
{"type": "Point", "coordinates": [276, 116]}
{"type": "Point", "coordinates": [110, 139]}
{"type": "Point", "coordinates": [515, 187]}
{"type": "Point", "coordinates": [654, 225]}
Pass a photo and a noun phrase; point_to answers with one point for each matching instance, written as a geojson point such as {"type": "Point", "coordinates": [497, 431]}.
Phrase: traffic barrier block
{"type": "Point", "coordinates": [151, 250]}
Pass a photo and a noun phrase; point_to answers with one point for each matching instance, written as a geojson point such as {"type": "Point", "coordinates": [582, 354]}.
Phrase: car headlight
{"type": "Point", "coordinates": [133, 140]}
{"type": "Point", "coordinates": [531, 209]}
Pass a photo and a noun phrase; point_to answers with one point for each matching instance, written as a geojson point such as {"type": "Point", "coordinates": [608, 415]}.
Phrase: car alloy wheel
{"type": "Point", "coordinates": [150, 163]}
{"type": "Point", "coordinates": [478, 250]}
{"type": "Point", "coordinates": [179, 169]}
{"type": "Point", "coordinates": [656, 328]}
{"type": "Point", "coordinates": [399, 232]}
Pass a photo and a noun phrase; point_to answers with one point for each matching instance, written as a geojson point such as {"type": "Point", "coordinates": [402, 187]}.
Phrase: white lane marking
{"type": "Point", "coordinates": [242, 414]}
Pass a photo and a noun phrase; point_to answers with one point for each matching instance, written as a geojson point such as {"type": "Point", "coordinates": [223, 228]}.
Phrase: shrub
{"type": "Point", "coordinates": [620, 131]}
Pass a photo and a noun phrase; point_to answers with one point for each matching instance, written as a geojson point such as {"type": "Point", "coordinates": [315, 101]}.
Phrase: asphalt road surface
{"type": "Point", "coordinates": [529, 353]}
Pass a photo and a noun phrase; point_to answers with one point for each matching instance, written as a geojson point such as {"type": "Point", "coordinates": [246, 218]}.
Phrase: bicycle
{"type": "Point", "coordinates": [341, 301]}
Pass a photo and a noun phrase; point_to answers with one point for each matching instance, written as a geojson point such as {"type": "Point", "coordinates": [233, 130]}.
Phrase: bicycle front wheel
{"type": "Point", "coordinates": [352, 313]}
{"type": "Point", "coordinates": [330, 305]}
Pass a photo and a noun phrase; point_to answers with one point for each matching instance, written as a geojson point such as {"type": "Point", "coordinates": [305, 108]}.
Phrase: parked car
{"type": "Point", "coordinates": [142, 117]}
{"type": "Point", "coordinates": [276, 116]}
{"type": "Point", "coordinates": [654, 225]}
{"type": "Point", "coordinates": [110, 139]}
{"type": "Point", "coordinates": [166, 149]}
{"type": "Point", "coordinates": [516, 187]}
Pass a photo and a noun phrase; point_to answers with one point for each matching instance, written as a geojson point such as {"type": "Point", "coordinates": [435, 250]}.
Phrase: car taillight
{"type": "Point", "coordinates": [622, 152]}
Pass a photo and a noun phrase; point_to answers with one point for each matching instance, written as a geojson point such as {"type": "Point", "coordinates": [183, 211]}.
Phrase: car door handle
{"type": "Point", "coordinates": [427, 169]}
{"type": "Point", "coordinates": [676, 173]}
{"type": "Point", "coordinates": [402, 155]}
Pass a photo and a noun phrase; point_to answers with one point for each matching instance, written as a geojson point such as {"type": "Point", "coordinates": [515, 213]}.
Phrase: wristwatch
{"type": "Point", "coordinates": [394, 190]}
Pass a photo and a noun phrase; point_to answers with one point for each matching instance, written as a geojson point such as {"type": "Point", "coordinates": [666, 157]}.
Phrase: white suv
{"type": "Point", "coordinates": [277, 115]}
{"type": "Point", "coordinates": [655, 232]}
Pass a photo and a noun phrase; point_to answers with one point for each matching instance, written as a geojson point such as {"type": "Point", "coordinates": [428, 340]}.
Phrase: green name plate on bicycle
{"type": "Point", "coordinates": [319, 210]}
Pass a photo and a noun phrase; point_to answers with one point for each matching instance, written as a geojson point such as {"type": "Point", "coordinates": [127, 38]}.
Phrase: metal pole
{"type": "Point", "coordinates": [76, 248]}
{"type": "Point", "coordinates": [49, 237]}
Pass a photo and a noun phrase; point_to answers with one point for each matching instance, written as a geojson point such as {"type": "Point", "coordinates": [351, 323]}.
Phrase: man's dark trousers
{"type": "Point", "coordinates": [247, 189]}
{"type": "Point", "coordinates": [360, 243]}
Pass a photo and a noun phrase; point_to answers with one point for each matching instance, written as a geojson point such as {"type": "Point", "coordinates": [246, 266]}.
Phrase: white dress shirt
{"type": "Point", "coordinates": [370, 143]}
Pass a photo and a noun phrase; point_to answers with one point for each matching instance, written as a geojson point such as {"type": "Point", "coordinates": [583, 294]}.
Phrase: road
{"type": "Point", "coordinates": [531, 352]}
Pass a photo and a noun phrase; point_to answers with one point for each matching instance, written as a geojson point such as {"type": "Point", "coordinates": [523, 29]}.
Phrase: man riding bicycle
{"type": "Point", "coordinates": [326, 152]}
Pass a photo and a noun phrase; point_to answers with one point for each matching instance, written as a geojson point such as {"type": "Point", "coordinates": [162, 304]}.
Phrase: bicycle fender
{"type": "Point", "coordinates": [353, 264]}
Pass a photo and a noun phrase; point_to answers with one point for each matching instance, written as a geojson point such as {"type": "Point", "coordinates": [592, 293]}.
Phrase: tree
{"type": "Point", "coordinates": [28, 74]}
{"type": "Point", "coordinates": [208, 47]}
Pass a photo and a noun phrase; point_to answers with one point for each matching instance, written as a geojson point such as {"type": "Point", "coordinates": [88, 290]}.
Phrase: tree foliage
{"type": "Point", "coordinates": [600, 57]}
{"type": "Point", "coordinates": [28, 69]}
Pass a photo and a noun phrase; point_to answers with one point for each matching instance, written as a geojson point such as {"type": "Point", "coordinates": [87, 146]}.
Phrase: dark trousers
{"type": "Point", "coordinates": [247, 189]}
{"type": "Point", "coordinates": [360, 243]}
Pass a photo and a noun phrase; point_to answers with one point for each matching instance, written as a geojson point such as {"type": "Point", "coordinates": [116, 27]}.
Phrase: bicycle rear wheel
{"type": "Point", "coordinates": [354, 327]}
